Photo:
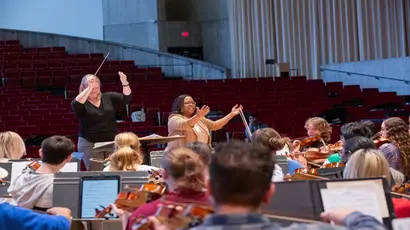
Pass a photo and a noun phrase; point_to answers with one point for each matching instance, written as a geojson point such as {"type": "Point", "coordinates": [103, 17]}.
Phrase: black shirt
{"type": "Point", "coordinates": [98, 124]}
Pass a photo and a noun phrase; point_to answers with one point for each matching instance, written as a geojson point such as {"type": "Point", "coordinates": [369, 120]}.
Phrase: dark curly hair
{"type": "Point", "coordinates": [397, 132]}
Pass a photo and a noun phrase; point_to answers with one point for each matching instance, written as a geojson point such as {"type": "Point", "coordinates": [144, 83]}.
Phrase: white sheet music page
{"type": "Point", "coordinates": [17, 169]}
{"type": "Point", "coordinates": [362, 200]}
{"type": "Point", "coordinates": [401, 224]}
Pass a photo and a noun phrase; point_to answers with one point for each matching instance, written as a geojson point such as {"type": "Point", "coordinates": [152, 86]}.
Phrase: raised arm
{"type": "Point", "coordinates": [83, 96]}
{"type": "Point", "coordinates": [218, 124]}
{"type": "Point", "coordinates": [126, 89]}
{"type": "Point", "coordinates": [179, 123]}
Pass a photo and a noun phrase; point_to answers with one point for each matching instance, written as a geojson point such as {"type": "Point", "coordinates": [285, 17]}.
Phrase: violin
{"type": "Point", "coordinates": [132, 200]}
{"type": "Point", "coordinates": [401, 188]}
{"type": "Point", "coordinates": [336, 147]}
{"type": "Point", "coordinates": [381, 141]}
{"type": "Point", "coordinates": [334, 165]}
{"type": "Point", "coordinates": [33, 165]}
{"type": "Point", "coordinates": [179, 216]}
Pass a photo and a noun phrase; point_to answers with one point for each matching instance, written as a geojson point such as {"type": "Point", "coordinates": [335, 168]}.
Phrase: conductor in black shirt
{"type": "Point", "coordinates": [96, 113]}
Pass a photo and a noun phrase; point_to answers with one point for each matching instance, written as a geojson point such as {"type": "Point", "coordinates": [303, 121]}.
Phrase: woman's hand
{"type": "Point", "coordinates": [203, 111]}
{"type": "Point", "coordinates": [90, 82]}
{"type": "Point", "coordinates": [235, 109]}
{"type": "Point", "coordinates": [123, 78]}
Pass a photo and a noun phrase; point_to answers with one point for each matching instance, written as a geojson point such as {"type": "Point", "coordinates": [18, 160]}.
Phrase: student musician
{"type": "Point", "coordinates": [34, 189]}
{"type": "Point", "coordinates": [184, 175]}
{"type": "Point", "coordinates": [127, 159]}
{"type": "Point", "coordinates": [190, 121]}
{"type": "Point", "coordinates": [271, 139]}
{"type": "Point", "coordinates": [127, 155]}
{"type": "Point", "coordinates": [96, 113]}
{"type": "Point", "coordinates": [238, 197]}
{"type": "Point", "coordinates": [11, 146]}
{"type": "Point", "coordinates": [204, 152]}
{"type": "Point", "coordinates": [397, 152]}
{"type": "Point", "coordinates": [347, 131]}
{"type": "Point", "coordinates": [317, 126]}
{"type": "Point", "coordinates": [367, 163]}
{"type": "Point", "coordinates": [356, 143]}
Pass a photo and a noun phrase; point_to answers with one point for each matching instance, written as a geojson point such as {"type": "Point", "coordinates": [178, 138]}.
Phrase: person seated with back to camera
{"type": "Point", "coordinates": [347, 131]}
{"type": "Point", "coordinates": [11, 146]}
{"type": "Point", "coordinates": [240, 182]}
{"type": "Point", "coordinates": [127, 155]}
{"type": "Point", "coordinates": [356, 143]}
{"type": "Point", "coordinates": [204, 152]}
{"type": "Point", "coordinates": [368, 163]}
{"type": "Point", "coordinates": [34, 189]}
{"type": "Point", "coordinates": [183, 172]}
{"type": "Point", "coordinates": [278, 145]}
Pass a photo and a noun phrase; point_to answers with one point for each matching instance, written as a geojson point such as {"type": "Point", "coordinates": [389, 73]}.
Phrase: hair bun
{"type": "Point", "coordinates": [277, 143]}
{"type": "Point", "coordinates": [190, 166]}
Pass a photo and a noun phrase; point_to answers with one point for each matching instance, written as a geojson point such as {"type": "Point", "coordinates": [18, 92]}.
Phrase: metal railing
{"type": "Point", "coordinates": [349, 73]}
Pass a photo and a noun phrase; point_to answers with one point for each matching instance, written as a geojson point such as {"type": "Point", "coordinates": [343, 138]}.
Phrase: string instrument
{"type": "Point", "coordinates": [402, 190]}
{"type": "Point", "coordinates": [305, 174]}
{"type": "Point", "coordinates": [33, 165]}
{"type": "Point", "coordinates": [334, 165]}
{"type": "Point", "coordinates": [131, 200]}
{"type": "Point", "coordinates": [306, 142]}
{"type": "Point", "coordinates": [381, 141]}
{"type": "Point", "coordinates": [178, 216]}
{"type": "Point", "coordinates": [336, 147]}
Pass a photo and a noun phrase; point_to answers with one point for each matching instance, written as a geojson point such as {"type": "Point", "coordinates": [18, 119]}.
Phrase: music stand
{"type": "Point", "coordinates": [104, 147]}
{"type": "Point", "coordinates": [155, 140]}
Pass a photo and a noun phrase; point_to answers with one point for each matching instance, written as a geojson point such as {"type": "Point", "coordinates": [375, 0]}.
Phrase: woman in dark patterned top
{"type": "Point", "coordinates": [397, 152]}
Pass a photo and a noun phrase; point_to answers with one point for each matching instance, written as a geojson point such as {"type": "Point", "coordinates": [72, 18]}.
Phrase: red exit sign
{"type": "Point", "coordinates": [185, 34]}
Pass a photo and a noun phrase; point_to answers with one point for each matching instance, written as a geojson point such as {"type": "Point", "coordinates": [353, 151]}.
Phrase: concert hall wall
{"type": "Point", "coordinates": [73, 17]}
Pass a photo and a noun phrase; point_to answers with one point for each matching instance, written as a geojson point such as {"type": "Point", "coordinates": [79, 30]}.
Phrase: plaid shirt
{"type": "Point", "coordinates": [255, 221]}
{"type": "Point", "coordinates": [392, 154]}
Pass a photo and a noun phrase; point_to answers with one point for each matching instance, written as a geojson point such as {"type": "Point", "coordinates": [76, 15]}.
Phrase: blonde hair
{"type": "Point", "coordinates": [366, 163]}
{"type": "Point", "coordinates": [185, 168]}
{"type": "Point", "coordinates": [125, 159]}
{"type": "Point", "coordinates": [127, 139]}
{"type": "Point", "coordinates": [11, 146]}
{"type": "Point", "coordinates": [321, 125]}
{"type": "Point", "coordinates": [84, 83]}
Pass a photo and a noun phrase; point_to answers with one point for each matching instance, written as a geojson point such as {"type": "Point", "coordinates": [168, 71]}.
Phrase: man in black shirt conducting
{"type": "Point", "coordinates": [96, 113]}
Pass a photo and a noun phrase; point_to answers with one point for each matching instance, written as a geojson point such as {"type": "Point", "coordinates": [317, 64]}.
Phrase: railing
{"type": "Point", "coordinates": [178, 70]}
{"type": "Point", "coordinates": [349, 73]}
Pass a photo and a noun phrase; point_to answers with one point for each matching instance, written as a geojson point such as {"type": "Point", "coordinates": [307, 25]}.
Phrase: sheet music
{"type": "Point", "coordinates": [401, 224]}
{"type": "Point", "coordinates": [70, 167]}
{"type": "Point", "coordinates": [97, 193]}
{"type": "Point", "coordinates": [362, 200]}
{"type": "Point", "coordinates": [373, 185]}
{"type": "Point", "coordinates": [153, 136]}
{"type": "Point", "coordinates": [17, 169]}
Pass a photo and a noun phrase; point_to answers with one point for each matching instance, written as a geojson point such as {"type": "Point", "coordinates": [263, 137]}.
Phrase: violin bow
{"type": "Point", "coordinates": [102, 63]}
{"type": "Point", "coordinates": [247, 129]}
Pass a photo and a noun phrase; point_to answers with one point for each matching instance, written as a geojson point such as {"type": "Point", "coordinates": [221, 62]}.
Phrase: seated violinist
{"type": "Point", "coordinates": [184, 175]}
{"type": "Point", "coordinates": [366, 163]}
{"type": "Point", "coordinates": [397, 152]}
{"type": "Point", "coordinates": [278, 145]}
{"type": "Point", "coordinates": [347, 131]}
{"type": "Point", "coordinates": [317, 126]}
{"type": "Point", "coordinates": [356, 143]}
{"type": "Point", "coordinates": [240, 182]}
{"type": "Point", "coordinates": [34, 189]}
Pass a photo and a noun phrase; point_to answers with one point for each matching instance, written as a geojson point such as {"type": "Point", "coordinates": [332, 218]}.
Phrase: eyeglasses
{"type": "Point", "coordinates": [190, 103]}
